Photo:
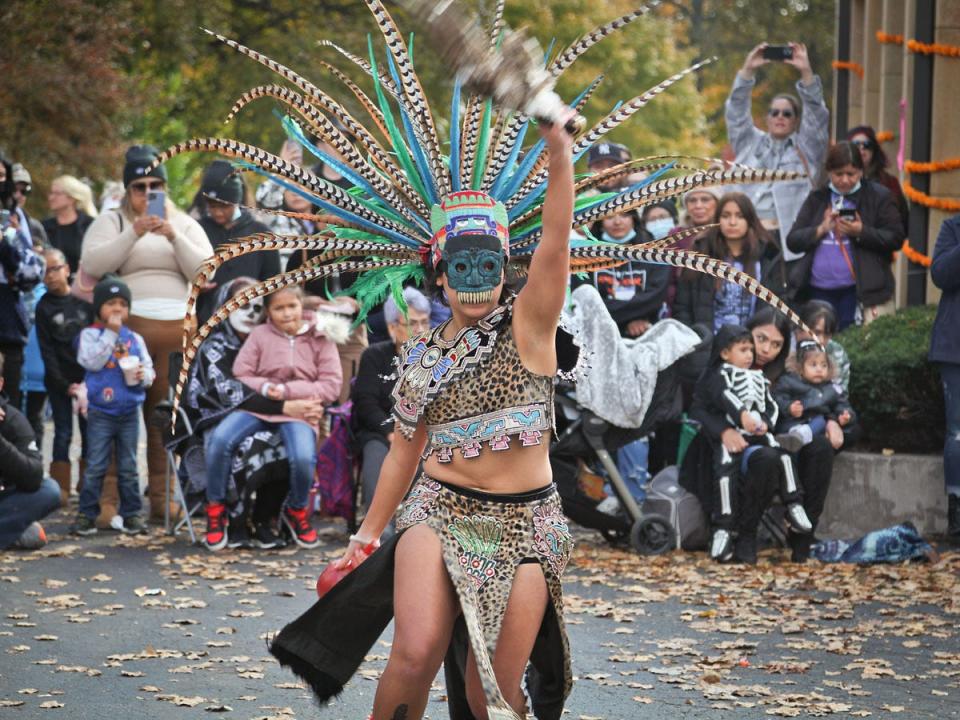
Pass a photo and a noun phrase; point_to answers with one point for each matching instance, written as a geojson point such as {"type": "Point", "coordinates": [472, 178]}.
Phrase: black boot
{"type": "Point", "coordinates": [745, 550]}
{"type": "Point", "coordinates": [800, 544]}
{"type": "Point", "coordinates": [953, 516]}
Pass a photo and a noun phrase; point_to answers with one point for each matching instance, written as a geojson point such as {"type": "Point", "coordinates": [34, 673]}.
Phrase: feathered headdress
{"type": "Point", "coordinates": [389, 224]}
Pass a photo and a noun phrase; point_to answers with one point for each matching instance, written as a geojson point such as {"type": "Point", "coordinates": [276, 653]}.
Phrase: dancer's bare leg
{"type": "Point", "coordinates": [521, 623]}
{"type": "Point", "coordinates": [425, 607]}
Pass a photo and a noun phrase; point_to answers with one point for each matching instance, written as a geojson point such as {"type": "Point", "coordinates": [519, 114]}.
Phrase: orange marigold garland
{"type": "Point", "coordinates": [932, 167]}
{"type": "Point", "coordinates": [888, 38]}
{"type": "Point", "coordinates": [933, 48]}
{"type": "Point", "coordinates": [852, 66]}
{"type": "Point", "coordinates": [915, 256]}
{"type": "Point", "coordinates": [885, 136]}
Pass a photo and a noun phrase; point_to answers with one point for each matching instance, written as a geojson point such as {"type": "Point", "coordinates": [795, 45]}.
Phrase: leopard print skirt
{"type": "Point", "coordinates": [484, 538]}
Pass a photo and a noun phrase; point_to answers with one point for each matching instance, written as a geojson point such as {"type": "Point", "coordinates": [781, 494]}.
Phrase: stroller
{"type": "Point", "coordinates": [583, 437]}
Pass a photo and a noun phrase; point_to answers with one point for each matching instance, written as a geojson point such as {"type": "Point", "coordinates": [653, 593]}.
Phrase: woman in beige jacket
{"type": "Point", "coordinates": [157, 257]}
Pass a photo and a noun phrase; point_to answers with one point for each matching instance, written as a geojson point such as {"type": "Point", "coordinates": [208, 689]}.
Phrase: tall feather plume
{"type": "Point", "coordinates": [649, 194]}
{"type": "Point", "coordinates": [372, 110]}
{"type": "Point", "coordinates": [312, 270]}
{"type": "Point", "coordinates": [323, 192]}
{"type": "Point", "coordinates": [693, 261]}
{"type": "Point", "coordinates": [577, 48]}
{"type": "Point", "coordinates": [608, 123]}
{"type": "Point", "coordinates": [496, 27]}
{"type": "Point", "coordinates": [346, 151]}
{"type": "Point", "coordinates": [412, 91]}
{"type": "Point", "coordinates": [650, 162]}
{"type": "Point", "coordinates": [261, 242]}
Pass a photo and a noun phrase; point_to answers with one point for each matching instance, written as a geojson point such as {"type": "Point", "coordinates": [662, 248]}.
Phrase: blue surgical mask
{"type": "Point", "coordinates": [237, 212]}
{"type": "Point", "coordinates": [626, 239]}
{"type": "Point", "coordinates": [474, 273]}
{"type": "Point", "coordinates": [660, 228]}
{"type": "Point", "coordinates": [833, 188]}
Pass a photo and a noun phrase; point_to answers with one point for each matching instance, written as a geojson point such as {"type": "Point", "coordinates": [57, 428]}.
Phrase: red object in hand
{"type": "Point", "coordinates": [332, 574]}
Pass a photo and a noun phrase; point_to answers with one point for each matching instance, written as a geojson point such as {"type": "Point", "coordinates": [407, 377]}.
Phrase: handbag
{"type": "Point", "coordinates": [83, 282]}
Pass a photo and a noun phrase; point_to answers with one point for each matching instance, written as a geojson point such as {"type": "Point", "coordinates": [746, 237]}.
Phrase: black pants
{"type": "Point", "coordinates": [814, 464]}
{"type": "Point", "coordinates": [12, 367]}
{"type": "Point", "coordinates": [34, 404]}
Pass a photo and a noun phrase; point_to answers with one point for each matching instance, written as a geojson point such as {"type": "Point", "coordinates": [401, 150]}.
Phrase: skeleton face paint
{"type": "Point", "coordinates": [244, 319]}
{"type": "Point", "coordinates": [474, 273]}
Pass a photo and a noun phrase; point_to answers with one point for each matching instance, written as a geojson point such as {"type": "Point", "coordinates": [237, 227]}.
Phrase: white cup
{"type": "Point", "coordinates": [130, 364]}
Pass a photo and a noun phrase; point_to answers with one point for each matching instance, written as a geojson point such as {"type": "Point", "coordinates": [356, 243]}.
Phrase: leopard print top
{"type": "Point", "coordinates": [487, 396]}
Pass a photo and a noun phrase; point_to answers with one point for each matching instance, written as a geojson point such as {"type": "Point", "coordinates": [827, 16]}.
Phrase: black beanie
{"type": "Point", "coordinates": [109, 287]}
{"type": "Point", "coordinates": [221, 182]}
{"type": "Point", "coordinates": [136, 162]}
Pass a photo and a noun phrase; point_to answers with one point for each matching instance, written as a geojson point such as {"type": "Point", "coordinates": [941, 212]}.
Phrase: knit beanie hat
{"type": "Point", "coordinates": [136, 162]}
{"type": "Point", "coordinates": [109, 287]}
{"type": "Point", "coordinates": [221, 182]}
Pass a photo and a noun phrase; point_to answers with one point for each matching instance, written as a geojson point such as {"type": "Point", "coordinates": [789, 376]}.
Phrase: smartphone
{"type": "Point", "coordinates": [847, 213]}
{"type": "Point", "coordinates": [778, 53]}
{"type": "Point", "coordinates": [156, 203]}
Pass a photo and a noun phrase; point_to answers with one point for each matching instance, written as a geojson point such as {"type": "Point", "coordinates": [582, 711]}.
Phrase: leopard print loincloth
{"type": "Point", "coordinates": [484, 538]}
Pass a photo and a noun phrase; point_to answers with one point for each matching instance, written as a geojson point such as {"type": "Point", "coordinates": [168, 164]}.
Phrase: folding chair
{"type": "Point", "coordinates": [174, 487]}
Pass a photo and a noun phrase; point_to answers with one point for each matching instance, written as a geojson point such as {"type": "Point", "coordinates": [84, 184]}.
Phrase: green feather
{"type": "Point", "coordinates": [371, 288]}
{"type": "Point", "coordinates": [480, 161]}
{"type": "Point", "coordinates": [396, 139]}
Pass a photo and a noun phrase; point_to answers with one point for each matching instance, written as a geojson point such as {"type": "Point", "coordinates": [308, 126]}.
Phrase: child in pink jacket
{"type": "Point", "coordinates": [286, 358]}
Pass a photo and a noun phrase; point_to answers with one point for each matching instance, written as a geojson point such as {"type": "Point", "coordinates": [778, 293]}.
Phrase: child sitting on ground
{"type": "Point", "coordinates": [286, 358]}
{"type": "Point", "coordinates": [743, 397]}
{"type": "Point", "coordinates": [119, 371]}
{"type": "Point", "coordinates": [811, 401]}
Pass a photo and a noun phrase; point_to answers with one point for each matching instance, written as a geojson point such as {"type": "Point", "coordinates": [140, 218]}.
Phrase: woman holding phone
{"type": "Point", "coordinates": [849, 230]}
{"type": "Point", "coordinates": [156, 250]}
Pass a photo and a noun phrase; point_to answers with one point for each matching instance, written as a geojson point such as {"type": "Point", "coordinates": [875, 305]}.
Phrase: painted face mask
{"type": "Point", "coordinates": [246, 318]}
{"type": "Point", "coordinates": [474, 273]}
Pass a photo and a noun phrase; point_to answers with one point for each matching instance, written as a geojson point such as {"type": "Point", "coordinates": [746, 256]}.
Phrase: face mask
{"type": "Point", "coordinates": [236, 214]}
{"type": "Point", "coordinates": [852, 191]}
{"type": "Point", "coordinates": [246, 318]}
{"type": "Point", "coordinates": [660, 228]}
{"type": "Point", "coordinates": [474, 273]}
{"type": "Point", "coordinates": [628, 238]}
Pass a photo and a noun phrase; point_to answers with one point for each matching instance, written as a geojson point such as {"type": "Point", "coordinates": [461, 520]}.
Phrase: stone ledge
{"type": "Point", "coordinates": [871, 491]}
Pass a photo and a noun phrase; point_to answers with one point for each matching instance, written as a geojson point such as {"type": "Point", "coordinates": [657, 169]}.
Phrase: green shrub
{"type": "Point", "coordinates": [894, 389]}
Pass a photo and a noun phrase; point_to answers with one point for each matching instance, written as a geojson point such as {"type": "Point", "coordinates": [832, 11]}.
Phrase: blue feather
{"type": "Point", "coordinates": [504, 174]}
{"type": "Point", "coordinates": [334, 209]}
{"type": "Point", "coordinates": [419, 156]}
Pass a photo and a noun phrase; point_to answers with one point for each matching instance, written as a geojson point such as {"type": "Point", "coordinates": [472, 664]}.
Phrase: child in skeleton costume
{"type": "Point", "coordinates": [481, 542]}
{"type": "Point", "coordinates": [743, 397]}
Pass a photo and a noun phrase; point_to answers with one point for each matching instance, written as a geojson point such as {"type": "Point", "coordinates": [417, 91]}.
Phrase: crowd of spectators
{"type": "Point", "coordinates": [770, 403]}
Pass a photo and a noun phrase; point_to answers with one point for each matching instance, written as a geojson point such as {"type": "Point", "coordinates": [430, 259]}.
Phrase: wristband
{"type": "Point", "coordinates": [363, 541]}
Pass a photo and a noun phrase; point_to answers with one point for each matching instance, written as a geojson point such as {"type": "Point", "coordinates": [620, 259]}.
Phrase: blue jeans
{"type": "Point", "coordinates": [950, 374]}
{"type": "Point", "coordinates": [62, 408]}
{"type": "Point", "coordinates": [299, 439]}
{"type": "Point", "coordinates": [104, 433]}
{"type": "Point", "coordinates": [19, 509]}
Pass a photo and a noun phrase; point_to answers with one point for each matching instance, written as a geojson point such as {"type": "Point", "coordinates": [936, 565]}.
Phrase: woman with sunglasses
{"type": "Point", "coordinates": [875, 162]}
{"type": "Point", "coordinates": [796, 137]}
{"type": "Point", "coordinates": [157, 257]}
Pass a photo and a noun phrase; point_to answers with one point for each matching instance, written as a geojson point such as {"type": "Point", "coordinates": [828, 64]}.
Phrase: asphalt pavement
{"type": "Point", "coordinates": [111, 625]}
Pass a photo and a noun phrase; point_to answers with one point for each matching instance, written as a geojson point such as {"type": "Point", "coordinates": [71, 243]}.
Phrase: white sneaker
{"type": "Point", "coordinates": [803, 432]}
{"type": "Point", "coordinates": [721, 548]}
{"type": "Point", "coordinates": [797, 517]}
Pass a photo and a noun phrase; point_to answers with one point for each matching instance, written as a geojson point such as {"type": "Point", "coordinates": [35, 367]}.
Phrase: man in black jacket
{"type": "Point", "coordinates": [26, 495]}
{"type": "Point", "coordinates": [226, 222]}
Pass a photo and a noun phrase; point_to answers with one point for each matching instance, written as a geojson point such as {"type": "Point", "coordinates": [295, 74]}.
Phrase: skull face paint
{"type": "Point", "coordinates": [474, 273]}
{"type": "Point", "coordinates": [244, 320]}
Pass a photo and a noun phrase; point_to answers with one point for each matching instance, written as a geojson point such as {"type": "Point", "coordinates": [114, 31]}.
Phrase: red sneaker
{"type": "Point", "coordinates": [300, 529]}
{"type": "Point", "coordinates": [216, 538]}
